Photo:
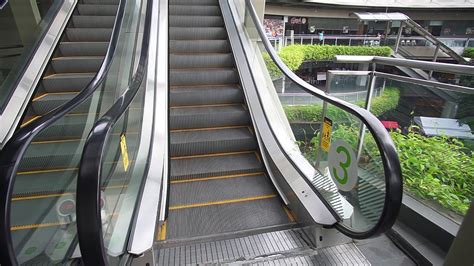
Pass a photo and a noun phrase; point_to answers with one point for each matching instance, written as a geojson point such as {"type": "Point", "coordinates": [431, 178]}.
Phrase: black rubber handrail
{"type": "Point", "coordinates": [13, 151]}
{"type": "Point", "coordinates": [390, 160]}
{"type": "Point", "coordinates": [89, 220]}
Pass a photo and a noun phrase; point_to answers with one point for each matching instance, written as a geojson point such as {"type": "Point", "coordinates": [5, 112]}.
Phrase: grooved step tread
{"type": "Point", "coordinates": [181, 96]}
{"type": "Point", "coordinates": [214, 165]}
{"type": "Point", "coordinates": [218, 190]}
{"type": "Point", "coordinates": [212, 141]}
{"type": "Point", "coordinates": [225, 218]}
{"type": "Point", "coordinates": [208, 116]}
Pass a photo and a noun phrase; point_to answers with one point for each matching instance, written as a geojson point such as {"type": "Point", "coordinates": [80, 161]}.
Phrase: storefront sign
{"type": "Point", "coordinates": [298, 20]}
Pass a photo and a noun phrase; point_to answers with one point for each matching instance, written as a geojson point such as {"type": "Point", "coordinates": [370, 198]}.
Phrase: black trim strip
{"type": "Point", "coordinates": [89, 221]}
{"type": "Point", "coordinates": [12, 153]}
{"type": "Point", "coordinates": [390, 160]}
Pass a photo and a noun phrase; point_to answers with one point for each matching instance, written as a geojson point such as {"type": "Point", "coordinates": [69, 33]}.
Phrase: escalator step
{"type": "Point", "coordinates": [194, 10]}
{"type": "Point", "coordinates": [195, 2]}
{"type": "Point", "coordinates": [93, 21]}
{"type": "Point", "coordinates": [48, 102]}
{"type": "Point", "coordinates": [205, 95]}
{"type": "Point", "coordinates": [197, 33]}
{"type": "Point", "coordinates": [216, 190]}
{"type": "Point", "coordinates": [218, 219]}
{"type": "Point", "coordinates": [71, 82]}
{"type": "Point", "coordinates": [77, 64]}
{"type": "Point", "coordinates": [201, 60]}
{"type": "Point", "coordinates": [83, 48]}
{"type": "Point", "coordinates": [88, 35]}
{"type": "Point", "coordinates": [102, 2]}
{"type": "Point", "coordinates": [205, 76]}
{"type": "Point", "coordinates": [196, 21]}
{"type": "Point", "coordinates": [199, 46]}
{"type": "Point", "coordinates": [214, 165]}
{"type": "Point", "coordinates": [185, 143]}
{"type": "Point", "coordinates": [205, 117]}
{"type": "Point", "coordinates": [97, 10]}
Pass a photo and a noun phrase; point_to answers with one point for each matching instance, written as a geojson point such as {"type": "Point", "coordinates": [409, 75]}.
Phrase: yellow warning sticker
{"type": "Point", "coordinates": [326, 138]}
{"type": "Point", "coordinates": [123, 148]}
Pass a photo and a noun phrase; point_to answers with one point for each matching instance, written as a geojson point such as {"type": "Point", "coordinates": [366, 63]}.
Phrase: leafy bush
{"type": "Point", "coordinates": [469, 52]}
{"type": "Point", "coordinates": [437, 168]}
{"type": "Point", "coordinates": [311, 113]}
{"type": "Point", "coordinates": [294, 55]}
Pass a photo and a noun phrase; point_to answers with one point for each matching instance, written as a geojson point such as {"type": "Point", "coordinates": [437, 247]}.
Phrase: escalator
{"type": "Point", "coordinates": [53, 156]}
{"type": "Point", "coordinates": [238, 188]}
{"type": "Point", "coordinates": [40, 162]}
{"type": "Point", "coordinates": [217, 179]}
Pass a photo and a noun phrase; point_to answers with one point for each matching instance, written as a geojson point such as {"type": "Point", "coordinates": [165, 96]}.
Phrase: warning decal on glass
{"type": "Point", "coordinates": [123, 148]}
{"type": "Point", "coordinates": [326, 137]}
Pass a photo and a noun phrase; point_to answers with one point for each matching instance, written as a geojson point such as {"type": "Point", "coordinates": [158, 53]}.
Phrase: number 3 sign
{"type": "Point", "coordinates": [342, 163]}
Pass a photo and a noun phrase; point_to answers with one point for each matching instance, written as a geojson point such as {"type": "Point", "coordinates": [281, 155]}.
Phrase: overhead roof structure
{"type": "Point", "coordinates": [399, 3]}
{"type": "Point", "coordinates": [367, 16]}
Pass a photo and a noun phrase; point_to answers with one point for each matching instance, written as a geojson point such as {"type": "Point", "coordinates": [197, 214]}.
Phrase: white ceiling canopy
{"type": "Point", "coordinates": [367, 16]}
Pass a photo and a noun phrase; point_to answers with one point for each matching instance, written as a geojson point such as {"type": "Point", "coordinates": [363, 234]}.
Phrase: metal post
{"type": "Point", "coordinates": [368, 102]}
{"type": "Point", "coordinates": [312, 40]}
{"type": "Point", "coordinates": [329, 78]}
{"type": "Point", "coordinates": [435, 57]}
{"type": "Point", "coordinates": [399, 36]}
{"type": "Point", "coordinates": [335, 42]}
{"type": "Point", "coordinates": [301, 40]}
{"type": "Point", "coordinates": [350, 41]}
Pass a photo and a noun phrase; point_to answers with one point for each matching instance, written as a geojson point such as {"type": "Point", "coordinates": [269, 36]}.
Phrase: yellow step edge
{"type": "Point", "coordinates": [211, 155]}
{"type": "Point", "coordinates": [205, 129]}
{"type": "Point", "coordinates": [58, 195]}
{"type": "Point", "coordinates": [222, 202]}
{"type": "Point", "coordinates": [35, 226]}
{"type": "Point", "coordinates": [215, 178]}
{"type": "Point", "coordinates": [60, 169]}
{"type": "Point", "coordinates": [53, 93]}
{"type": "Point", "coordinates": [204, 105]}
{"type": "Point", "coordinates": [289, 213]}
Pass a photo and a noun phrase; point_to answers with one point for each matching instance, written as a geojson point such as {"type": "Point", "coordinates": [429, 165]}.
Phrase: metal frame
{"type": "Point", "coordinates": [400, 62]}
{"type": "Point", "coordinates": [15, 148]}
{"type": "Point", "coordinates": [153, 205]}
{"type": "Point", "coordinates": [390, 160]}
{"type": "Point", "coordinates": [25, 87]}
{"type": "Point", "coordinates": [89, 221]}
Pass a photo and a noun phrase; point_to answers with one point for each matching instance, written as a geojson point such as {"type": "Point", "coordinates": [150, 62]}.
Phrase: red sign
{"type": "Point", "coordinates": [298, 20]}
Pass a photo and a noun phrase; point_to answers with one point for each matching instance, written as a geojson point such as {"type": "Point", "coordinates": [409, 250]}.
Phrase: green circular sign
{"type": "Point", "coordinates": [342, 162]}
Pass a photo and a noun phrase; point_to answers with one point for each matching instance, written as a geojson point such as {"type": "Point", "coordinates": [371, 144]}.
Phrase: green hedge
{"type": "Point", "coordinates": [469, 52]}
{"type": "Point", "coordinates": [311, 113]}
{"type": "Point", "coordinates": [294, 55]}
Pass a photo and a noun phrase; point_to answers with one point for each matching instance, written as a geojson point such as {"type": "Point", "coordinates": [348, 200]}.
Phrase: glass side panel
{"type": "Point", "coordinates": [349, 172]}
{"type": "Point", "coordinates": [433, 131]}
{"type": "Point", "coordinates": [43, 214]}
{"type": "Point", "coordinates": [22, 26]}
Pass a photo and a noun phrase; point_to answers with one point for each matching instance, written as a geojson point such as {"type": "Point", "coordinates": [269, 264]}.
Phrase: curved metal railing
{"type": "Point", "coordinates": [89, 203]}
{"type": "Point", "coordinates": [384, 143]}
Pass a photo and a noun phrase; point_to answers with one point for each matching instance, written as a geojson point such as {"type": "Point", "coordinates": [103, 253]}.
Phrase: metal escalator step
{"type": "Point", "coordinates": [195, 2]}
{"type": "Point", "coordinates": [66, 82]}
{"type": "Point", "coordinates": [194, 10]}
{"type": "Point", "coordinates": [205, 95]}
{"type": "Point", "coordinates": [83, 48]}
{"type": "Point", "coordinates": [102, 2]}
{"type": "Point", "coordinates": [212, 191]}
{"type": "Point", "coordinates": [88, 34]}
{"type": "Point", "coordinates": [93, 21]}
{"type": "Point", "coordinates": [225, 218]}
{"type": "Point", "coordinates": [199, 46]}
{"type": "Point", "coordinates": [196, 21]}
{"type": "Point", "coordinates": [201, 60]}
{"type": "Point", "coordinates": [184, 168]}
{"type": "Point", "coordinates": [59, 154]}
{"type": "Point", "coordinates": [209, 76]}
{"type": "Point", "coordinates": [212, 141]}
{"type": "Point", "coordinates": [77, 64]}
{"type": "Point", "coordinates": [197, 33]}
{"type": "Point", "coordinates": [47, 102]}
{"type": "Point", "coordinates": [208, 116]}
{"type": "Point", "coordinates": [97, 10]}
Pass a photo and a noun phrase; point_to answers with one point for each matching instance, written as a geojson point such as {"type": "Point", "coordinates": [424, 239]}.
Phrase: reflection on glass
{"type": "Point", "coordinates": [22, 25]}
{"type": "Point", "coordinates": [350, 174]}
